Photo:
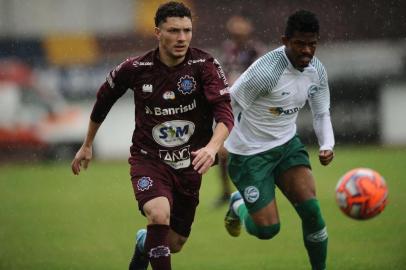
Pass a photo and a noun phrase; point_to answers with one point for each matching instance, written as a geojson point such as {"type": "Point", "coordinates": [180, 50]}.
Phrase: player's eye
{"type": "Point", "coordinates": [300, 43]}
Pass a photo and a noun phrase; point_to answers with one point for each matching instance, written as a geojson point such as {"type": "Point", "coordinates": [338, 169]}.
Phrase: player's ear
{"type": "Point", "coordinates": [157, 33]}
{"type": "Point", "coordinates": [285, 40]}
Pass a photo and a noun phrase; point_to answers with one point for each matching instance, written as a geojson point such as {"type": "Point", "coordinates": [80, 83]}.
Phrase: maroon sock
{"type": "Point", "coordinates": [157, 246]}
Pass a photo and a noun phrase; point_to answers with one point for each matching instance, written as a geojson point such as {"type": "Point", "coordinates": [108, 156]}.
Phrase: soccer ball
{"type": "Point", "coordinates": [361, 193]}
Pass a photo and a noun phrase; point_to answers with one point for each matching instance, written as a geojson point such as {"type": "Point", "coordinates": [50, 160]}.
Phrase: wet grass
{"type": "Point", "coordinates": [50, 219]}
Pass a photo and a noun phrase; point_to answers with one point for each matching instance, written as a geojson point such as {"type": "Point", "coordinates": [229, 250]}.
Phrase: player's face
{"type": "Point", "coordinates": [300, 48]}
{"type": "Point", "coordinates": [174, 36]}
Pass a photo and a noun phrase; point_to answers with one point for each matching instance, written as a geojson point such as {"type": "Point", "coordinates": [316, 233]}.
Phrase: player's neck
{"type": "Point", "coordinates": [168, 60]}
{"type": "Point", "coordinates": [289, 56]}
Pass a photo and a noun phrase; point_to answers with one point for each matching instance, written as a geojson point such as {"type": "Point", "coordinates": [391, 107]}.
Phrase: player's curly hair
{"type": "Point", "coordinates": [171, 9]}
{"type": "Point", "coordinates": [302, 21]}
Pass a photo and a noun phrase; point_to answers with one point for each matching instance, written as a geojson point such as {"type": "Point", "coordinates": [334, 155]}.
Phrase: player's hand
{"type": "Point", "coordinates": [325, 157]}
{"type": "Point", "coordinates": [203, 159]}
{"type": "Point", "coordinates": [82, 159]}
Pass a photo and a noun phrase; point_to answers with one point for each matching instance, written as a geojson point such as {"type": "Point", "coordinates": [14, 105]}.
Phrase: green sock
{"type": "Point", "coordinates": [246, 219]}
{"type": "Point", "coordinates": [314, 233]}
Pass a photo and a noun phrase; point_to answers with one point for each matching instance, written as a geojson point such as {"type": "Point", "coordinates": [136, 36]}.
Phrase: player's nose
{"type": "Point", "coordinates": [182, 36]}
{"type": "Point", "coordinates": [307, 50]}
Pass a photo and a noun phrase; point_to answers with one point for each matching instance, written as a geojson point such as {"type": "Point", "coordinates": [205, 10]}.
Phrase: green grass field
{"type": "Point", "coordinates": [50, 219]}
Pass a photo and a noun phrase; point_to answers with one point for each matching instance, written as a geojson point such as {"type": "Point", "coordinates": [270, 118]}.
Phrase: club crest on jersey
{"type": "Point", "coordinates": [144, 183]}
{"type": "Point", "coordinates": [186, 85]}
{"type": "Point", "coordinates": [251, 194]}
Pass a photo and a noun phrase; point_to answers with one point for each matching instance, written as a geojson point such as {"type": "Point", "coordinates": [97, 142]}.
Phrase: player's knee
{"type": "Point", "coordinates": [267, 232]}
{"type": "Point", "coordinates": [157, 216]}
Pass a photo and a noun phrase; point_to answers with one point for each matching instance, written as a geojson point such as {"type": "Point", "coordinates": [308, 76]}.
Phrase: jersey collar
{"type": "Point", "coordinates": [158, 62]}
{"type": "Point", "coordinates": [291, 67]}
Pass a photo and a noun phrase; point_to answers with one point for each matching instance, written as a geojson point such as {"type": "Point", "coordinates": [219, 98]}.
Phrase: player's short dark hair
{"type": "Point", "coordinates": [171, 9]}
{"type": "Point", "coordinates": [302, 21]}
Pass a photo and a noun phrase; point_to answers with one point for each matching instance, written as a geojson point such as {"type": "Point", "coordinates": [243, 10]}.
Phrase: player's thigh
{"type": "Point", "coordinates": [152, 184]}
{"type": "Point", "coordinates": [297, 184]}
{"type": "Point", "coordinates": [254, 179]}
{"type": "Point", "coordinates": [294, 175]}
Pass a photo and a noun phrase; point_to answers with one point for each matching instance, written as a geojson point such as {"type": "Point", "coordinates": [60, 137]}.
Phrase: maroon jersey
{"type": "Point", "coordinates": [174, 106]}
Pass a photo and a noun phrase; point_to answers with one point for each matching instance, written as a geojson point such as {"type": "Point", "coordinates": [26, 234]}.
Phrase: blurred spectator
{"type": "Point", "coordinates": [240, 50]}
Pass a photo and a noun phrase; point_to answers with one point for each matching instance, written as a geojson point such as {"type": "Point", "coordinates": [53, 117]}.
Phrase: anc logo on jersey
{"type": "Point", "coordinates": [144, 183]}
{"type": "Point", "coordinates": [186, 85]}
{"type": "Point", "coordinates": [178, 158]}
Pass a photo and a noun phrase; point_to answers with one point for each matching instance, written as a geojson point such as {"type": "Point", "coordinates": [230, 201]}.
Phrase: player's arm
{"type": "Point", "coordinates": [216, 93]}
{"type": "Point", "coordinates": [324, 132]}
{"type": "Point", "coordinates": [85, 153]}
{"type": "Point", "coordinates": [320, 105]}
{"type": "Point", "coordinates": [114, 87]}
{"type": "Point", "coordinates": [205, 157]}
{"type": "Point", "coordinates": [105, 100]}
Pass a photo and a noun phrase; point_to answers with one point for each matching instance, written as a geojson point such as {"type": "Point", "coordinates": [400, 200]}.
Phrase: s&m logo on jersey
{"type": "Point", "coordinates": [144, 183]}
{"type": "Point", "coordinates": [173, 133]}
{"type": "Point", "coordinates": [186, 84]}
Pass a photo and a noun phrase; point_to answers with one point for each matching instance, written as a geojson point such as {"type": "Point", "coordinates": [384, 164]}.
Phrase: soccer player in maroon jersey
{"type": "Point", "coordinates": [178, 91]}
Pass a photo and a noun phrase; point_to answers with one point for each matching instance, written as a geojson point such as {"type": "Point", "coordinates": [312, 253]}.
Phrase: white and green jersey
{"type": "Point", "coordinates": [266, 101]}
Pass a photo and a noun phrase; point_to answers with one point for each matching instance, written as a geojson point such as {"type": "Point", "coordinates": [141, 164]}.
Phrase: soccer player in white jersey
{"type": "Point", "coordinates": [264, 149]}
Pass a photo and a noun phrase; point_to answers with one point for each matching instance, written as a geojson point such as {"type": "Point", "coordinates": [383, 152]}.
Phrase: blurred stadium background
{"type": "Point", "coordinates": [54, 54]}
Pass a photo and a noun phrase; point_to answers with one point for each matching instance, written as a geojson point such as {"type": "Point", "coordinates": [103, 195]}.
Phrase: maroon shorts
{"type": "Point", "coordinates": [151, 179]}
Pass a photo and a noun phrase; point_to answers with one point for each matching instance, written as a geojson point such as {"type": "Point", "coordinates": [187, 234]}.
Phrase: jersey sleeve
{"type": "Point", "coordinates": [116, 84]}
{"type": "Point", "coordinates": [319, 96]}
{"type": "Point", "coordinates": [319, 101]}
{"type": "Point", "coordinates": [216, 92]}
